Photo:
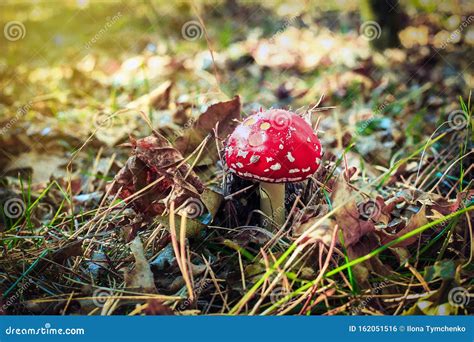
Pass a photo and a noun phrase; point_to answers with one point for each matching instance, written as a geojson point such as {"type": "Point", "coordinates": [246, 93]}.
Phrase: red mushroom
{"type": "Point", "coordinates": [274, 147]}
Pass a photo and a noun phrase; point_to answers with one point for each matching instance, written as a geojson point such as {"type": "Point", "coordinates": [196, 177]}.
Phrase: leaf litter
{"type": "Point", "coordinates": [107, 170]}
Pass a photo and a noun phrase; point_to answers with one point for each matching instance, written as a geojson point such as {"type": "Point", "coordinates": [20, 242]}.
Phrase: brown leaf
{"type": "Point", "coordinates": [429, 205]}
{"type": "Point", "coordinates": [60, 256]}
{"type": "Point", "coordinates": [71, 249]}
{"type": "Point", "coordinates": [447, 207]}
{"type": "Point", "coordinates": [224, 113]}
{"type": "Point", "coordinates": [364, 246]}
{"type": "Point", "coordinates": [323, 232]}
{"type": "Point", "coordinates": [417, 220]}
{"type": "Point", "coordinates": [348, 216]}
{"type": "Point", "coordinates": [159, 155]}
{"type": "Point", "coordinates": [43, 166]}
{"type": "Point", "coordinates": [156, 307]}
{"type": "Point", "coordinates": [154, 158]}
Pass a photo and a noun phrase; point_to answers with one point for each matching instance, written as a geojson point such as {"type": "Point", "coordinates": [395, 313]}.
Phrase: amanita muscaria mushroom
{"type": "Point", "coordinates": [274, 147]}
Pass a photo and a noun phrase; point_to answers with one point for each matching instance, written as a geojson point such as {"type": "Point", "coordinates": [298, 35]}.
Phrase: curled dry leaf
{"type": "Point", "coordinates": [153, 159]}
{"type": "Point", "coordinates": [225, 113]}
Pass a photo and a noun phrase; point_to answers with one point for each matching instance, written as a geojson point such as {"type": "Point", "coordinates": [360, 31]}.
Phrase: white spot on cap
{"type": "Point", "coordinates": [290, 157]}
{"type": "Point", "coordinates": [239, 165]}
{"type": "Point", "coordinates": [241, 153]}
{"type": "Point", "coordinates": [281, 146]}
{"type": "Point", "coordinates": [306, 170]}
{"type": "Point", "coordinates": [230, 150]}
{"type": "Point", "coordinates": [308, 139]}
{"type": "Point", "coordinates": [269, 159]}
{"type": "Point", "coordinates": [264, 126]}
{"type": "Point", "coordinates": [318, 161]}
{"type": "Point", "coordinates": [275, 167]}
{"type": "Point", "coordinates": [266, 170]}
{"type": "Point", "coordinates": [294, 170]}
{"type": "Point", "coordinates": [254, 159]}
{"type": "Point", "coordinates": [249, 122]}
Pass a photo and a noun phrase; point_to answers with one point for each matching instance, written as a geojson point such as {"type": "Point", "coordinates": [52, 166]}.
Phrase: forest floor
{"type": "Point", "coordinates": [92, 215]}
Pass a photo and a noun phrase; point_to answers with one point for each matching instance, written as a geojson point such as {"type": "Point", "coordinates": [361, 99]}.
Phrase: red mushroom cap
{"type": "Point", "coordinates": [275, 146]}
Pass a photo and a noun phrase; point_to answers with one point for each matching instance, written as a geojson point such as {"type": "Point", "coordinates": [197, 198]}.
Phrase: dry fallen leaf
{"type": "Point", "coordinates": [323, 232]}
{"type": "Point", "coordinates": [223, 113]}
{"type": "Point", "coordinates": [153, 158]}
{"type": "Point", "coordinates": [141, 276]}
{"type": "Point", "coordinates": [43, 165]}
{"type": "Point", "coordinates": [428, 205]}
{"type": "Point", "coordinates": [348, 216]}
{"type": "Point", "coordinates": [416, 221]}
{"type": "Point", "coordinates": [156, 307]}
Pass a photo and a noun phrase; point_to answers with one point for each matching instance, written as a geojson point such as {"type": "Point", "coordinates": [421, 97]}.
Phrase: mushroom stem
{"type": "Point", "coordinates": [272, 202]}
